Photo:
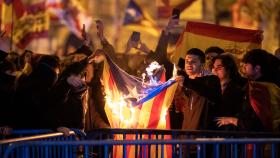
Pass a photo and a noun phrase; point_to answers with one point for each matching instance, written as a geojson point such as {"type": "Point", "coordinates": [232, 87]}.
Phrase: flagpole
{"type": "Point", "coordinates": [116, 23]}
{"type": "Point", "coordinates": [12, 28]}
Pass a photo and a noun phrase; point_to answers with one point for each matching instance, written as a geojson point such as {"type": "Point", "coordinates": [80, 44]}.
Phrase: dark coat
{"type": "Point", "coordinates": [202, 99]}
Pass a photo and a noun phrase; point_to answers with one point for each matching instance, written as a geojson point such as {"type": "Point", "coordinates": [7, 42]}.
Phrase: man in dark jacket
{"type": "Point", "coordinates": [202, 93]}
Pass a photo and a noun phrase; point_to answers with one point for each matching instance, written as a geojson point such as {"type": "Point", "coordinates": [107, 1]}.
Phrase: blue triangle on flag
{"type": "Point", "coordinates": [133, 13]}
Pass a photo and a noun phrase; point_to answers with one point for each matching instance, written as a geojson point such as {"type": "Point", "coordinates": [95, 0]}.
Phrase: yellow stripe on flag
{"type": "Point", "coordinates": [203, 35]}
{"type": "Point", "coordinates": [191, 40]}
{"type": "Point", "coordinates": [145, 113]}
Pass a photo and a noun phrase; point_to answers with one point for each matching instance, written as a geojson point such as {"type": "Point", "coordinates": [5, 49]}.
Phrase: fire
{"type": "Point", "coordinates": [121, 110]}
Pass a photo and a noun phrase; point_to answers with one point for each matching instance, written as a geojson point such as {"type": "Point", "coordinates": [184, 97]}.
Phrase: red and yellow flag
{"type": "Point", "coordinates": [11, 11]}
{"type": "Point", "coordinates": [130, 103]}
{"type": "Point", "coordinates": [22, 24]}
{"type": "Point", "coordinates": [265, 100]}
{"type": "Point", "coordinates": [35, 23]}
{"type": "Point", "coordinates": [202, 35]}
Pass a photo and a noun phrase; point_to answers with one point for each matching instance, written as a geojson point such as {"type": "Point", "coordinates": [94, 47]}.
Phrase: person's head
{"type": "Point", "coordinates": [194, 61]}
{"type": "Point", "coordinates": [210, 53]}
{"type": "Point", "coordinates": [255, 64]}
{"type": "Point", "coordinates": [26, 57]}
{"type": "Point", "coordinates": [13, 57]}
{"type": "Point", "coordinates": [225, 68]}
{"type": "Point", "coordinates": [52, 61]}
{"type": "Point", "coordinates": [3, 55]}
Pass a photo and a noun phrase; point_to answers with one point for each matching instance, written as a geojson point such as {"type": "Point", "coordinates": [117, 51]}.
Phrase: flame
{"type": "Point", "coordinates": [121, 110]}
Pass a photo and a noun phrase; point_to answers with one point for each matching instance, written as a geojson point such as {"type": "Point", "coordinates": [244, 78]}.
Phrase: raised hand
{"type": "Point", "coordinates": [100, 29]}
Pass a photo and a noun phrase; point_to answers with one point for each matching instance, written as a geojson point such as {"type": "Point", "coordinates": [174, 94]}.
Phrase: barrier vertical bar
{"type": "Point", "coordinates": [86, 151]}
{"type": "Point", "coordinates": [156, 146]}
{"type": "Point", "coordinates": [162, 147]}
{"type": "Point", "coordinates": [254, 151]}
{"type": "Point", "coordinates": [145, 151]}
{"type": "Point", "coordinates": [141, 146]}
{"type": "Point", "coordinates": [244, 150]}
{"type": "Point", "coordinates": [106, 151]}
{"type": "Point", "coordinates": [204, 150]}
{"type": "Point", "coordinates": [273, 152]}
{"type": "Point", "coordinates": [235, 151]}
{"type": "Point", "coordinates": [149, 146]}
{"type": "Point", "coordinates": [66, 151]}
{"type": "Point", "coordinates": [25, 152]}
{"type": "Point", "coordinates": [198, 151]}
{"type": "Point", "coordinates": [124, 146]}
{"type": "Point", "coordinates": [217, 151]}
{"type": "Point", "coordinates": [136, 146]}
{"type": "Point", "coordinates": [180, 151]}
{"type": "Point", "coordinates": [46, 152]}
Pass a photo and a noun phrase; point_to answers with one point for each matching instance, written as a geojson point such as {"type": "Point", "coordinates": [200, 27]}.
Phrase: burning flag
{"type": "Point", "coordinates": [133, 103]}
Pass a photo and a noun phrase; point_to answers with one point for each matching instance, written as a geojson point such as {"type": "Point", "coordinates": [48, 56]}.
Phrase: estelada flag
{"type": "Point", "coordinates": [265, 100]}
{"type": "Point", "coordinates": [202, 35]}
{"type": "Point", "coordinates": [71, 13]}
{"type": "Point", "coordinates": [131, 103]}
{"type": "Point", "coordinates": [137, 19]}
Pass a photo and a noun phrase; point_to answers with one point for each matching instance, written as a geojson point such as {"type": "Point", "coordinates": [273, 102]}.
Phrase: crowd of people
{"type": "Point", "coordinates": [47, 92]}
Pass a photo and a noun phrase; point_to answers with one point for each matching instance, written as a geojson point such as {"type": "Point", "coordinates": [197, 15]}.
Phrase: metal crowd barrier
{"type": "Point", "coordinates": [25, 132]}
{"type": "Point", "coordinates": [5, 144]}
{"type": "Point", "coordinates": [200, 144]}
{"type": "Point", "coordinates": [227, 150]}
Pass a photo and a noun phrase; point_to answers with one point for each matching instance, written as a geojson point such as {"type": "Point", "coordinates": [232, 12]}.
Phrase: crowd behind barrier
{"type": "Point", "coordinates": [46, 92]}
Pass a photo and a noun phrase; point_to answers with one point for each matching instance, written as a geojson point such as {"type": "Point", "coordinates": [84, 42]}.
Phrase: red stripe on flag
{"type": "Point", "coordinates": [55, 5]}
{"type": "Point", "coordinates": [260, 100]}
{"type": "Point", "coordinates": [18, 7]}
{"type": "Point", "coordinates": [156, 110]}
{"type": "Point", "coordinates": [223, 32]}
{"type": "Point", "coordinates": [111, 80]}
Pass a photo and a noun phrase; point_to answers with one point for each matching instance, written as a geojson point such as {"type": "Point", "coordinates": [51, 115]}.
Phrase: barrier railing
{"type": "Point", "coordinates": [198, 143]}
{"type": "Point", "coordinates": [36, 151]}
{"type": "Point", "coordinates": [144, 134]}
{"type": "Point", "coordinates": [204, 147]}
{"type": "Point", "coordinates": [108, 133]}
{"type": "Point", "coordinates": [25, 132]}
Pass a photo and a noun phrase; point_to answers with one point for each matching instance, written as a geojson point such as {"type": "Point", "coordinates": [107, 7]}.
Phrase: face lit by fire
{"type": "Point", "coordinates": [193, 65]}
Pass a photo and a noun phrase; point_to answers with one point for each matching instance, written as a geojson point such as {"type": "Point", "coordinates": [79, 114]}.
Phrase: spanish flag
{"type": "Point", "coordinates": [130, 103]}
{"type": "Point", "coordinates": [265, 100]}
{"type": "Point", "coordinates": [202, 35]}
{"type": "Point", "coordinates": [11, 11]}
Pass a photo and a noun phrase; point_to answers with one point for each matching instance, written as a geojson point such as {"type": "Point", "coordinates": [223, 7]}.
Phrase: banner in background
{"type": "Point", "coordinates": [34, 24]}
{"type": "Point", "coordinates": [138, 19]}
{"type": "Point", "coordinates": [71, 13]}
{"type": "Point", "coordinates": [203, 35]}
